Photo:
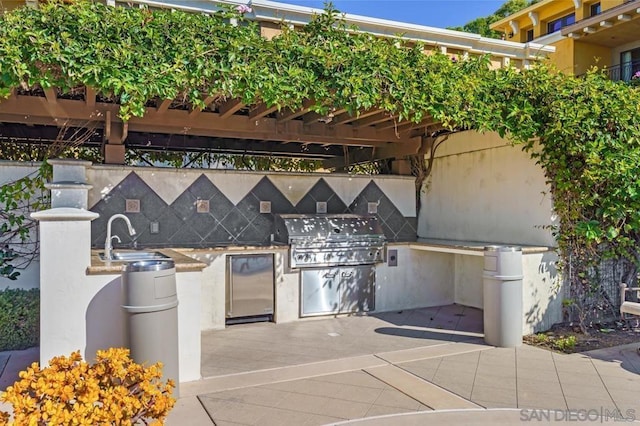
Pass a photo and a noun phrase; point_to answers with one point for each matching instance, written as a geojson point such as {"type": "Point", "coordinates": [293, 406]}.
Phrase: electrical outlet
{"type": "Point", "coordinates": [372, 208]}
{"type": "Point", "coordinates": [154, 227]}
{"type": "Point", "coordinates": [393, 257]}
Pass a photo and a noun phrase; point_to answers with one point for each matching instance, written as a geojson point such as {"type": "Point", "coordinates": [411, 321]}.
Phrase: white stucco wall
{"type": "Point", "coordinates": [483, 189]}
{"type": "Point", "coordinates": [11, 171]}
{"type": "Point", "coordinates": [83, 312]}
{"type": "Point", "coordinates": [541, 292]}
{"type": "Point", "coordinates": [95, 319]}
{"type": "Point", "coordinates": [421, 279]}
{"type": "Point", "coordinates": [468, 280]}
{"type": "Point", "coordinates": [541, 301]}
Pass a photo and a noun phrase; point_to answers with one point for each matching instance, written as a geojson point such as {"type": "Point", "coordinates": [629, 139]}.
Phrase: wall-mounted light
{"type": "Point", "coordinates": [510, 35]}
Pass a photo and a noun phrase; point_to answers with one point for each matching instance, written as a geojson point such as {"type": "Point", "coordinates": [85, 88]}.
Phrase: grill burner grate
{"type": "Point", "coordinates": [331, 240]}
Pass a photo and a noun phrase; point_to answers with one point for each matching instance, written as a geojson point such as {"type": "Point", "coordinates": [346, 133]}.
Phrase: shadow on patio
{"type": "Point", "coordinates": [249, 347]}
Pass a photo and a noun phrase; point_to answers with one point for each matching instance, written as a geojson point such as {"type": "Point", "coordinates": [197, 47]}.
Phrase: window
{"type": "Point", "coordinates": [595, 9]}
{"type": "Point", "coordinates": [556, 24]}
{"type": "Point", "coordinates": [530, 35]}
{"type": "Point", "coordinates": [629, 63]}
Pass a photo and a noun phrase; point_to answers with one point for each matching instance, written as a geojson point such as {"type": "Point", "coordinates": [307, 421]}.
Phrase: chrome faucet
{"type": "Point", "coordinates": [108, 248]}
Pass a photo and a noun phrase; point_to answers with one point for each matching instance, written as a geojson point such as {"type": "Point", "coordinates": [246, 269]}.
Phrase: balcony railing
{"type": "Point", "coordinates": [623, 72]}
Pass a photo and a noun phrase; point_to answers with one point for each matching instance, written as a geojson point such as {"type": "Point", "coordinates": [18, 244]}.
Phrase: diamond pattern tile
{"type": "Point", "coordinates": [265, 190]}
{"type": "Point", "coordinates": [321, 191]}
{"type": "Point", "coordinates": [151, 206]}
{"type": "Point", "coordinates": [181, 225]}
{"type": "Point", "coordinates": [235, 222]}
{"type": "Point", "coordinates": [396, 227]}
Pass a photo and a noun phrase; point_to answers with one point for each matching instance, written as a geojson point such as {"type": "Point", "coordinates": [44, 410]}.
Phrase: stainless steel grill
{"type": "Point", "coordinates": [336, 255]}
{"type": "Point", "coordinates": [331, 240]}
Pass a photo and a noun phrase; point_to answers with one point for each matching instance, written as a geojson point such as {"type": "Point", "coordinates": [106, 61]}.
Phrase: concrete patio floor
{"type": "Point", "coordinates": [379, 369]}
{"type": "Point", "coordinates": [398, 368]}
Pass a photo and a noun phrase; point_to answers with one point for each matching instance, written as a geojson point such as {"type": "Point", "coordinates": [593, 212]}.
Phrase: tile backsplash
{"type": "Point", "coordinates": [202, 215]}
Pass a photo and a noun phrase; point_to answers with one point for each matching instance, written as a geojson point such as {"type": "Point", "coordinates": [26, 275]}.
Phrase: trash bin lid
{"type": "Point", "coordinates": [502, 248]}
{"type": "Point", "coordinates": [149, 265]}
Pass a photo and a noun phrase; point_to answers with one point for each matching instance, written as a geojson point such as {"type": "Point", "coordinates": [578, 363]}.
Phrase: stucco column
{"type": "Point", "coordinates": [65, 254]}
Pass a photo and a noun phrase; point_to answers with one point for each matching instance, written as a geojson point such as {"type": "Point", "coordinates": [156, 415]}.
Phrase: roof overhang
{"type": "Point", "coordinates": [270, 11]}
{"type": "Point", "coordinates": [613, 27]}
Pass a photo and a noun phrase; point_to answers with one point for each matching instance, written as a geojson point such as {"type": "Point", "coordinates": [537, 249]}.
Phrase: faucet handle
{"type": "Point", "coordinates": [116, 238]}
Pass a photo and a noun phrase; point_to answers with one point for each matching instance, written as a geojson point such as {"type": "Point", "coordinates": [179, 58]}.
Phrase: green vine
{"type": "Point", "coordinates": [584, 132]}
{"type": "Point", "coordinates": [132, 56]}
{"type": "Point", "coordinates": [19, 243]}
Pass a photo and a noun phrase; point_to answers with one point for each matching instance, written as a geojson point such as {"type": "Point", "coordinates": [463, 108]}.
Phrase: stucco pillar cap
{"type": "Point", "coordinates": [62, 214]}
{"type": "Point", "coordinates": [68, 162]}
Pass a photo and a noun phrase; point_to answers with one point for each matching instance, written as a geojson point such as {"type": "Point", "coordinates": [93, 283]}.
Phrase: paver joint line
{"type": "Point", "coordinates": [403, 380]}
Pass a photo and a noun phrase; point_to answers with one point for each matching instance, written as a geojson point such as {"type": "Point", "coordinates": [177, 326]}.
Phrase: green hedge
{"type": "Point", "coordinates": [19, 319]}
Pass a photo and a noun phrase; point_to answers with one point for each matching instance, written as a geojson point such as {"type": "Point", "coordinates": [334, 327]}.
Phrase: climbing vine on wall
{"type": "Point", "coordinates": [19, 242]}
{"type": "Point", "coordinates": [583, 132]}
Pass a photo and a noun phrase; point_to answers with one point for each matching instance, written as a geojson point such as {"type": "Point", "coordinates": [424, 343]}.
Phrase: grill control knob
{"type": "Point", "coordinates": [328, 256]}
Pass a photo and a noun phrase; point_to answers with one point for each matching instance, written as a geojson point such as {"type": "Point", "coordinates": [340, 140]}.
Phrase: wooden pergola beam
{"type": "Point", "coordinates": [90, 96]}
{"type": "Point", "coordinates": [381, 117]}
{"type": "Point", "coordinates": [314, 117]}
{"type": "Point", "coordinates": [290, 114]}
{"type": "Point", "coordinates": [37, 110]}
{"type": "Point", "coordinates": [164, 106]}
{"type": "Point", "coordinates": [51, 94]}
{"type": "Point", "coordinates": [345, 118]}
{"type": "Point", "coordinates": [262, 110]}
{"type": "Point", "coordinates": [207, 101]}
{"type": "Point", "coordinates": [230, 107]}
{"type": "Point", "coordinates": [393, 124]}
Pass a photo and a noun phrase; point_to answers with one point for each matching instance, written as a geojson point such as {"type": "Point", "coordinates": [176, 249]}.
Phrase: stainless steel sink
{"type": "Point", "coordinates": [134, 256]}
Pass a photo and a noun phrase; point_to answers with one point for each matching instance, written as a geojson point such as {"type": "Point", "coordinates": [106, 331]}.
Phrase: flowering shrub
{"type": "Point", "coordinates": [635, 79]}
{"type": "Point", "coordinates": [115, 390]}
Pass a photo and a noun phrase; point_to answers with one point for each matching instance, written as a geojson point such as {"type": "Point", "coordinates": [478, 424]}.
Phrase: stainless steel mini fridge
{"type": "Point", "coordinates": [250, 285]}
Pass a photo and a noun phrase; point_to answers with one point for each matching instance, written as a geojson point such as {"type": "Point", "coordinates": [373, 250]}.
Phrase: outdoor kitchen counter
{"type": "Point", "coordinates": [183, 263]}
{"type": "Point", "coordinates": [233, 248]}
{"type": "Point", "coordinates": [472, 248]}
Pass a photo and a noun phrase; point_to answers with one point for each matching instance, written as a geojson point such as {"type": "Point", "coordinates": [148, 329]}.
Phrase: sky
{"type": "Point", "coordinates": [432, 13]}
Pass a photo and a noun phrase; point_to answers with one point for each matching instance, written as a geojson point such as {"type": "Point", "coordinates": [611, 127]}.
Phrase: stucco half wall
{"type": "Point", "coordinates": [482, 188]}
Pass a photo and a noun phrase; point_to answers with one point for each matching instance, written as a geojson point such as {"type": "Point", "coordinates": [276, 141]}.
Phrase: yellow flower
{"type": "Point", "coordinates": [114, 390]}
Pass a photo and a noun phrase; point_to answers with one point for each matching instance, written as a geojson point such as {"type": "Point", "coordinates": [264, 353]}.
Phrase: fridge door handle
{"type": "Point", "coordinates": [230, 287]}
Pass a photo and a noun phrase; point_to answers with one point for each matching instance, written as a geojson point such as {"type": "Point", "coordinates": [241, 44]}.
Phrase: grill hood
{"type": "Point", "coordinates": [291, 228]}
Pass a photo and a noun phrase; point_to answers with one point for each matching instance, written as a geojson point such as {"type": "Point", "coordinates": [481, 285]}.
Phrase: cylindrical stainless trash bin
{"type": "Point", "coordinates": [502, 296]}
{"type": "Point", "coordinates": [151, 303]}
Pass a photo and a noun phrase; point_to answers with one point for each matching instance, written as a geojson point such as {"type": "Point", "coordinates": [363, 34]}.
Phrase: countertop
{"type": "Point", "coordinates": [183, 263]}
{"type": "Point", "coordinates": [474, 248]}
{"type": "Point", "coordinates": [235, 248]}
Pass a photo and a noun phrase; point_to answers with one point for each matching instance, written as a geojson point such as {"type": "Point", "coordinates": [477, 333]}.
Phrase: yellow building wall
{"type": "Point", "coordinates": [587, 55]}
{"type": "Point", "coordinates": [548, 12]}
{"type": "Point", "coordinates": [563, 57]}
{"type": "Point", "coordinates": [10, 4]}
